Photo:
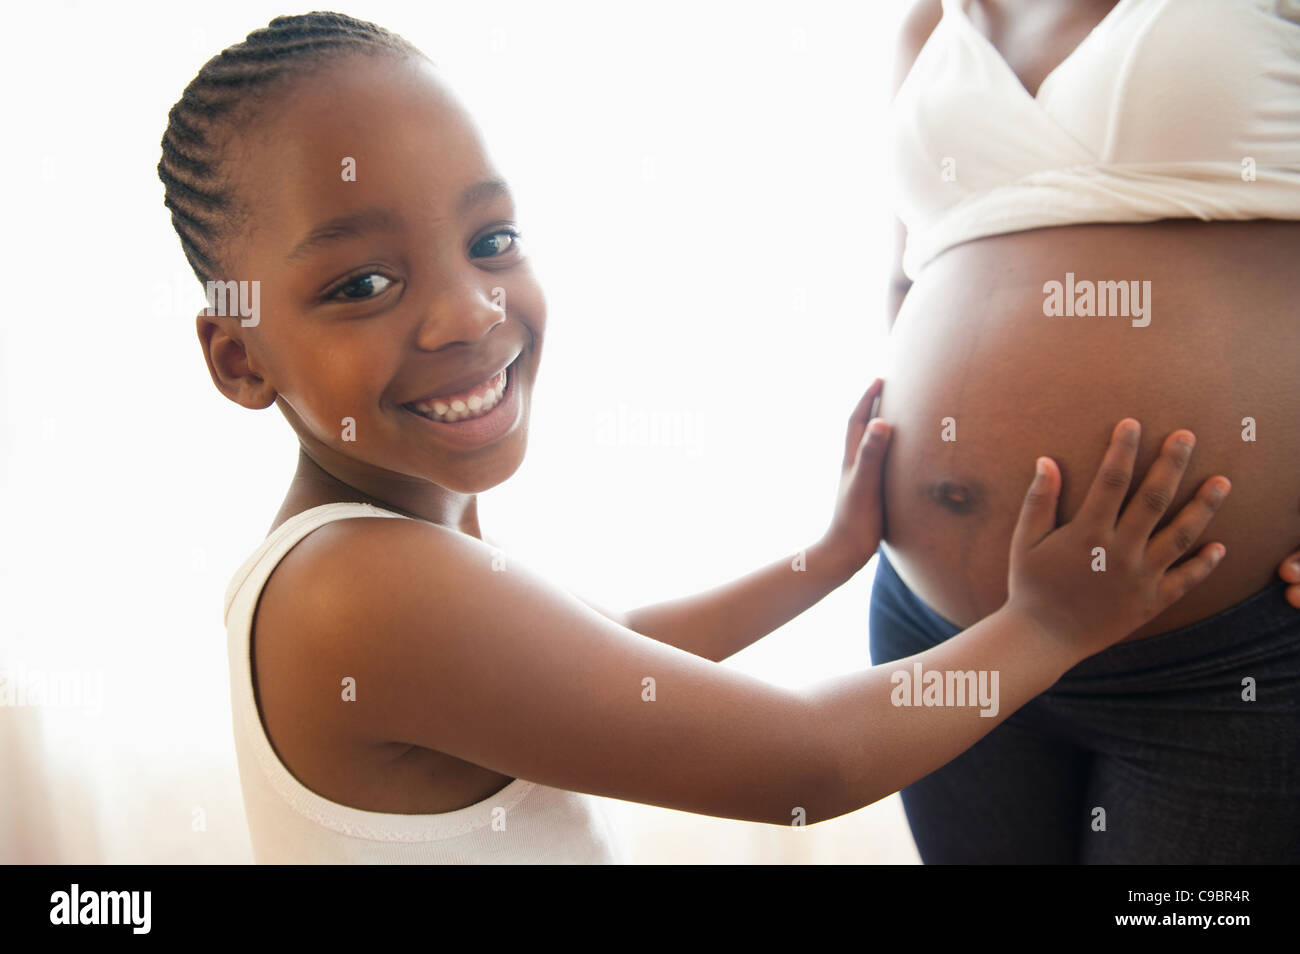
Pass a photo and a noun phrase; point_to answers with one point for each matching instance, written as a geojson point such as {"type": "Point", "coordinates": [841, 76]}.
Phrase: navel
{"type": "Point", "coordinates": [959, 497]}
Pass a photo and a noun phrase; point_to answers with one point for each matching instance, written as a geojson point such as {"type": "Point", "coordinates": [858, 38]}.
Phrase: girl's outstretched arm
{"type": "Point", "coordinates": [499, 668]}
{"type": "Point", "coordinates": [722, 621]}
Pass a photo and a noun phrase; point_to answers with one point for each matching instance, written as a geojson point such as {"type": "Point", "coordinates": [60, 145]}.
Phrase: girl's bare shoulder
{"type": "Point", "coordinates": [317, 601]}
{"type": "Point", "coordinates": [346, 562]}
{"type": "Point", "coordinates": [315, 691]}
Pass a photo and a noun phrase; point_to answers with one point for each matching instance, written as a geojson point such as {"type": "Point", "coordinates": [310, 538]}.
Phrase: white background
{"type": "Point", "coordinates": [703, 189]}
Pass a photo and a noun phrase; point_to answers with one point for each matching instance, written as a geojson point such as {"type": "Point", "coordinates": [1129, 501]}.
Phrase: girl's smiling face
{"type": "Point", "coordinates": [403, 280]}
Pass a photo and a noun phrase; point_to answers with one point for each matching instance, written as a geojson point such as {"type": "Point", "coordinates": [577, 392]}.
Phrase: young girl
{"type": "Point", "coordinates": [402, 695]}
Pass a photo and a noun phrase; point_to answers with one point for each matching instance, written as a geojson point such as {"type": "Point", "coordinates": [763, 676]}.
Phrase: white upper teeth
{"type": "Point", "coordinates": [481, 400]}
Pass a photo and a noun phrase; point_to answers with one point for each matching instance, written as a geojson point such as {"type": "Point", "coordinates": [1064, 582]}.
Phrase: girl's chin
{"type": "Point", "coordinates": [484, 471]}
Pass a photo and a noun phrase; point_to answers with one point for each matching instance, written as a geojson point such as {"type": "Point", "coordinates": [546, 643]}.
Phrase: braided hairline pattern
{"type": "Point", "coordinates": [201, 200]}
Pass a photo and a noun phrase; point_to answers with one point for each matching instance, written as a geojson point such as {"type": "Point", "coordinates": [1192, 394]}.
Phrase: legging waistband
{"type": "Point", "coordinates": [1256, 628]}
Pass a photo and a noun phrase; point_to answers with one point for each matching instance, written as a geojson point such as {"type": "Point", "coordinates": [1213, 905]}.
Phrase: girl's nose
{"type": "Point", "coordinates": [464, 313]}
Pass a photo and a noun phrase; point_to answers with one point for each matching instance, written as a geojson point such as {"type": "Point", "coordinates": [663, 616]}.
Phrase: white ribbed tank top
{"type": "Point", "coordinates": [523, 823]}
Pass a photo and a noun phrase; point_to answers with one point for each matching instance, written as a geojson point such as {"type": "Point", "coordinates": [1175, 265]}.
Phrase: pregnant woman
{"type": "Point", "coordinates": [1101, 217]}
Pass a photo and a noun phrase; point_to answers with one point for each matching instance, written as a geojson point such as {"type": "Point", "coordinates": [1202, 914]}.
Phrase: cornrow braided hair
{"type": "Point", "coordinates": [199, 194]}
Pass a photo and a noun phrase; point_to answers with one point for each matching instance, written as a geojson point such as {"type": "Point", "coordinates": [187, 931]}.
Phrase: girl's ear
{"type": "Point", "coordinates": [230, 364]}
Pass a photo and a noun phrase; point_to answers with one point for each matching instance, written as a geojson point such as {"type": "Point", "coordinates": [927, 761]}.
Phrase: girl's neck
{"type": "Point", "coordinates": [314, 485]}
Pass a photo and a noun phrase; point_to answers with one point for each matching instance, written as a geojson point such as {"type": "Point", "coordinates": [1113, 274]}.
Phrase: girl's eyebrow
{"type": "Point", "coordinates": [352, 225]}
{"type": "Point", "coordinates": [356, 224]}
{"type": "Point", "coordinates": [481, 192]}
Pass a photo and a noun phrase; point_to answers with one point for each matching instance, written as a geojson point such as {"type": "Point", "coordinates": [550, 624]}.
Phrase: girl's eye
{"type": "Point", "coordinates": [496, 244]}
{"type": "Point", "coordinates": [363, 287]}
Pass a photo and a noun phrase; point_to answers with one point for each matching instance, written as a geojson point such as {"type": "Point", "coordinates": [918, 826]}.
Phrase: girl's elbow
{"type": "Point", "coordinates": [821, 787]}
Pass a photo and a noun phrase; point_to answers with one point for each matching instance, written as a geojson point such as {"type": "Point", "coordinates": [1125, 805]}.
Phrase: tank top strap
{"type": "Point", "coordinates": [284, 537]}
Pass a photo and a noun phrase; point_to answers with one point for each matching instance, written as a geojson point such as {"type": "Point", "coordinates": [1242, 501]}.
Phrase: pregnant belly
{"type": "Point", "coordinates": [981, 382]}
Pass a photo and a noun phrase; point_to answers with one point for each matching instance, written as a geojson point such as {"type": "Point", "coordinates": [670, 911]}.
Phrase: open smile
{"type": "Point", "coordinates": [474, 416]}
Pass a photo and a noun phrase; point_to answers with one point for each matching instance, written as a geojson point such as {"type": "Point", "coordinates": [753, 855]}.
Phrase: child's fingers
{"type": "Point", "coordinates": [1038, 513]}
{"type": "Point", "coordinates": [1106, 495]}
{"type": "Point", "coordinates": [1157, 492]}
{"type": "Point", "coordinates": [870, 459]}
{"type": "Point", "coordinates": [1184, 530]}
{"type": "Point", "coordinates": [1175, 584]}
{"type": "Point", "coordinates": [1293, 596]}
{"type": "Point", "coordinates": [1290, 568]}
{"type": "Point", "coordinates": [858, 420]}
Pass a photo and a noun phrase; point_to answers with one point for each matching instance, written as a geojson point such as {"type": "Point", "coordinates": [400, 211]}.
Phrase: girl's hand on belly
{"type": "Point", "coordinates": [1102, 575]}
{"type": "Point", "coordinates": [1289, 570]}
{"type": "Point", "coordinates": [858, 521]}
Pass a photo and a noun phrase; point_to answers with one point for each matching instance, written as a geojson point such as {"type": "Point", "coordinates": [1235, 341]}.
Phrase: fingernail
{"type": "Point", "coordinates": [1040, 467]}
{"type": "Point", "coordinates": [877, 427]}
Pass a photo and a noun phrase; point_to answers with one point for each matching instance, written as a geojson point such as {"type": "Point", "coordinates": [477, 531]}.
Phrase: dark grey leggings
{"type": "Point", "coordinates": [1153, 731]}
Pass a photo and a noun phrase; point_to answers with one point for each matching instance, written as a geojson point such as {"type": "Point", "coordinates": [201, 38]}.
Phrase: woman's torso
{"type": "Point", "coordinates": [972, 344]}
